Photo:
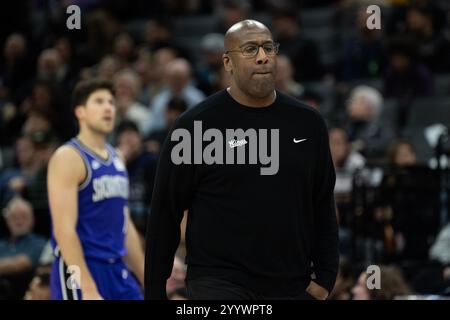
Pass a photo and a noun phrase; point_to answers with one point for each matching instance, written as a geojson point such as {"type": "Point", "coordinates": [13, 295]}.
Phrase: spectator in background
{"type": "Point", "coordinates": [405, 78]}
{"type": "Point", "coordinates": [363, 56]}
{"type": "Point", "coordinates": [343, 156]}
{"type": "Point", "coordinates": [399, 215]}
{"type": "Point", "coordinates": [175, 108]}
{"type": "Point", "coordinates": [346, 162]}
{"type": "Point", "coordinates": [39, 288]}
{"type": "Point", "coordinates": [284, 80]}
{"type": "Point", "coordinates": [141, 167]}
{"type": "Point", "coordinates": [124, 49]}
{"type": "Point", "coordinates": [178, 81]}
{"type": "Point", "coordinates": [101, 30]}
{"type": "Point", "coordinates": [15, 67]}
{"type": "Point", "coordinates": [231, 12]}
{"type": "Point", "coordinates": [143, 67]}
{"type": "Point", "coordinates": [433, 46]}
{"type": "Point", "coordinates": [440, 250]}
{"type": "Point", "coordinates": [70, 65]}
{"type": "Point", "coordinates": [156, 84]}
{"type": "Point", "coordinates": [50, 66]}
{"type": "Point", "coordinates": [208, 74]}
{"type": "Point", "coordinates": [401, 154]}
{"type": "Point", "coordinates": [397, 22]}
{"type": "Point", "coordinates": [435, 278]}
{"type": "Point", "coordinates": [14, 181]}
{"type": "Point", "coordinates": [45, 104]}
{"type": "Point", "coordinates": [36, 123]}
{"type": "Point", "coordinates": [128, 88]}
{"type": "Point", "coordinates": [365, 130]}
{"type": "Point", "coordinates": [19, 253]}
{"type": "Point", "coordinates": [46, 144]}
{"type": "Point", "coordinates": [48, 100]}
{"type": "Point", "coordinates": [158, 34]}
{"type": "Point", "coordinates": [108, 67]}
{"type": "Point", "coordinates": [303, 52]}
{"type": "Point", "coordinates": [392, 285]}
{"type": "Point", "coordinates": [407, 205]}
{"type": "Point", "coordinates": [286, 83]}
{"type": "Point", "coordinates": [45, 101]}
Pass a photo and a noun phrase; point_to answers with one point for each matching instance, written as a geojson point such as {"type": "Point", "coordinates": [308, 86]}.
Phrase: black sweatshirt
{"type": "Point", "coordinates": [265, 230]}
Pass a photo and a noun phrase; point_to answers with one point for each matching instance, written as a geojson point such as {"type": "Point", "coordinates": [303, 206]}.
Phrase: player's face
{"type": "Point", "coordinates": [99, 112]}
{"type": "Point", "coordinates": [254, 75]}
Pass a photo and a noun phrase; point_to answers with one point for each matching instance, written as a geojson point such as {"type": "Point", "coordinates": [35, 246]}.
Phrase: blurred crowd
{"type": "Point", "coordinates": [384, 93]}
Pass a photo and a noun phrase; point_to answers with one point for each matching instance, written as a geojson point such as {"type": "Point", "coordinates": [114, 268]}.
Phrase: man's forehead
{"type": "Point", "coordinates": [253, 36]}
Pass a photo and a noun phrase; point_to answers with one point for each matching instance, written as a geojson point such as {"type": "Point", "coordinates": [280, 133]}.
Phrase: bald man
{"type": "Point", "coordinates": [253, 168]}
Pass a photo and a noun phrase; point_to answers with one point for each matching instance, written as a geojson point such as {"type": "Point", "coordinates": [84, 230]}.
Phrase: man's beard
{"type": "Point", "coordinates": [258, 88]}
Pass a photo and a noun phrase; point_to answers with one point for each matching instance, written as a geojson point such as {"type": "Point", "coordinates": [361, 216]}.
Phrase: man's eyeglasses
{"type": "Point", "coordinates": [252, 49]}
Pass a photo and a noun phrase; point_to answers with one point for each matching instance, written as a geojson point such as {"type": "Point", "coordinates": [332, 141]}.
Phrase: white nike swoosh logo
{"type": "Point", "coordinates": [297, 141]}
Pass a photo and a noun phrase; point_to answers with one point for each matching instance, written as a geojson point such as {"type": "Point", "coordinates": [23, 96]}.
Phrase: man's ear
{"type": "Point", "coordinates": [227, 63]}
{"type": "Point", "coordinates": [78, 110]}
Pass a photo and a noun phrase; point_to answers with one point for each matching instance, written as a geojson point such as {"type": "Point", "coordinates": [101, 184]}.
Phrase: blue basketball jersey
{"type": "Point", "coordinates": [102, 199]}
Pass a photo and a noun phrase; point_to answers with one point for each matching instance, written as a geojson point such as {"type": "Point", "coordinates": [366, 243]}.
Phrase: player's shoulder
{"type": "Point", "coordinates": [66, 155]}
{"type": "Point", "coordinates": [66, 164]}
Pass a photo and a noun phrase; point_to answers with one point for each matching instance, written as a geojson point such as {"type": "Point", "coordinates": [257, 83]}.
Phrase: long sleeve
{"type": "Point", "coordinates": [325, 254]}
{"type": "Point", "coordinates": [171, 196]}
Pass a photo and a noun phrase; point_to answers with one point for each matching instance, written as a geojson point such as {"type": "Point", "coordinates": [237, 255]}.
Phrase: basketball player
{"type": "Point", "coordinates": [95, 243]}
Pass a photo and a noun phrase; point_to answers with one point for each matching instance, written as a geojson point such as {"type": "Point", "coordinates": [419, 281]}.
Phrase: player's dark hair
{"type": "Point", "coordinates": [85, 88]}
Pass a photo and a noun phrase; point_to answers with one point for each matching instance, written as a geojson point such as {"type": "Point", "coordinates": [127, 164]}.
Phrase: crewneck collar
{"type": "Point", "coordinates": [268, 108]}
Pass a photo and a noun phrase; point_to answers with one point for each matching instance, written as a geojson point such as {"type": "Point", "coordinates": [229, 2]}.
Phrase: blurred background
{"type": "Point", "coordinates": [385, 95]}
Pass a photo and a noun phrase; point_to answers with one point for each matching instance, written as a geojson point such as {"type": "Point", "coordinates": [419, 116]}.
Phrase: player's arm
{"type": "Point", "coordinates": [135, 252]}
{"type": "Point", "coordinates": [66, 171]}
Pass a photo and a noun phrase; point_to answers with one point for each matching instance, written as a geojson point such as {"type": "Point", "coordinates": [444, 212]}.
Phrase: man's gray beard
{"type": "Point", "coordinates": [260, 89]}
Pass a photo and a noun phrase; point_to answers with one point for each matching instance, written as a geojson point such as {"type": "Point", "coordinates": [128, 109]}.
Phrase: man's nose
{"type": "Point", "coordinates": [261, 56]}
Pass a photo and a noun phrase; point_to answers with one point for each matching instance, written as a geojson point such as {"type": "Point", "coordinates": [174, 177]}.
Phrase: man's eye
{"type": "Point", "coordinates": [268, 48]}
{"type": "Point", "coordinates": [249, 49]}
